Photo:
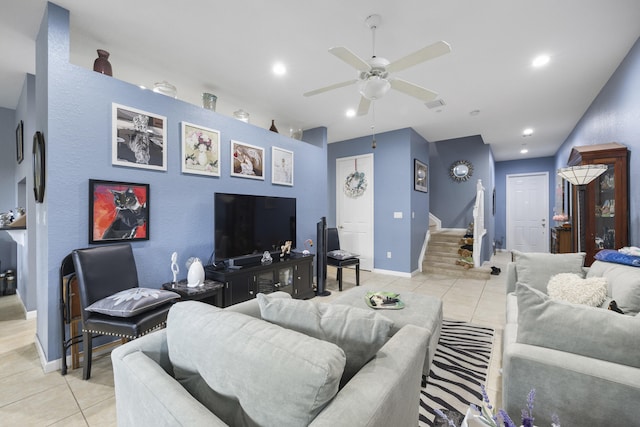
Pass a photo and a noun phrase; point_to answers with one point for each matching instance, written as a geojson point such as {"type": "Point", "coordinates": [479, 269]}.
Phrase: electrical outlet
{"type": "Point", "coordinates": [388, 254]}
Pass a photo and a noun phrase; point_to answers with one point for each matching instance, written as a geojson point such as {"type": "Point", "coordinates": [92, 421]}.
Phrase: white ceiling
{"type": "Point", "coordinates": [228, 48]}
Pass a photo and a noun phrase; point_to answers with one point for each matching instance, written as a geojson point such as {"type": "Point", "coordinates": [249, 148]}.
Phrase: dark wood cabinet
{"type": "Point", "coordinates": [561, 240]}
{"type": "Point", "coordinates": [293, 275]}
{"type": "Point", "coordinates": [605, 223]}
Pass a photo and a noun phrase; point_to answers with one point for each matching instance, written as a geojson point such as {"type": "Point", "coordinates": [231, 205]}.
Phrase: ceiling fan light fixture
{"type": "Point", "coordinates": [541, 61]}
{"type": "Point", "coordinates": [374, 88]}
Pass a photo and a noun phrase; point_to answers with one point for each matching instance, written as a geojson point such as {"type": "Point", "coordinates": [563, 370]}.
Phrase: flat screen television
{"type": "Point", "coordinates": [249, 224]}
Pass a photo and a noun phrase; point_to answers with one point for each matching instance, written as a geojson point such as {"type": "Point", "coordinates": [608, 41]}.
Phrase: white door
{"type": "Point", "coordinates": [528, 212]}
{"type": "Point", "coordinates": [354, 206]}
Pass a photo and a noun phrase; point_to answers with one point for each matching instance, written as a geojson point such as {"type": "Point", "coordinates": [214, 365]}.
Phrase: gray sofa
{"type": "Point", "coordinates": [211, 365]}
{"type": "Point", "coordinates": [584, 362]}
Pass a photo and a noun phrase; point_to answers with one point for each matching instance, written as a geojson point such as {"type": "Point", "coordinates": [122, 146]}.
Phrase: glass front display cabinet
{"type": "Point", "coordinates": [604, 205]}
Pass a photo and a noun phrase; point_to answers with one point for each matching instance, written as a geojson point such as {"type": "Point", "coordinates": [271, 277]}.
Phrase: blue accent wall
{"type": "Point", "coordinates": [451, 201]}
{"type": "Point", "coordinates": [75, 116]}
{"type": "Point", "coordinates": [614, 116]}
{"type": "Point", "coordinates": [393, 192]}
{"type": "Point", "coordinates": [514, 167]}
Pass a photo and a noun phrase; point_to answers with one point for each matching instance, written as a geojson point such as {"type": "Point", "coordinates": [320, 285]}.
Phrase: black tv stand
{"type": "Point", "coordinates": [289, 274]}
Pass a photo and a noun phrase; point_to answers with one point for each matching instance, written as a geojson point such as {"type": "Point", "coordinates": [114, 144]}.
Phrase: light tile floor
{"type": "Point", "coordinates": [28, 397]}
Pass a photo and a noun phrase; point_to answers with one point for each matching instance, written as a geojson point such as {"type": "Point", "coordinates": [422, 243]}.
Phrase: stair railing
{"type": "Point", "coordinates": [478, 225]}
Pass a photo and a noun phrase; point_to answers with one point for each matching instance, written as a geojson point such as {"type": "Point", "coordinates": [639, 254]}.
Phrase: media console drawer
{"type": "Point", "coordinates": [291, 274]}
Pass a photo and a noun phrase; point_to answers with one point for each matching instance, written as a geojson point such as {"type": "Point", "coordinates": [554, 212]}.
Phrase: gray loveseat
{"type": "Point", "coordinates": [584, 362]}
{"type": "Point", "coordinates": [212, 365]}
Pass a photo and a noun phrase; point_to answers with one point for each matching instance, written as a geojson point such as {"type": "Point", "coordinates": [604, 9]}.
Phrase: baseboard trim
{"type": "Point", "coordinates": [392, 273]}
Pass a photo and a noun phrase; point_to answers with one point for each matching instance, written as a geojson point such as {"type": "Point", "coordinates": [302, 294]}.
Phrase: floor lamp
{"type": "Point", "coordinates": [581, 176]}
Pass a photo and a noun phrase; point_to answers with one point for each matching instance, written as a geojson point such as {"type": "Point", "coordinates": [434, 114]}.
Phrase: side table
{"type": "Point", "coordinates": [210, 292]}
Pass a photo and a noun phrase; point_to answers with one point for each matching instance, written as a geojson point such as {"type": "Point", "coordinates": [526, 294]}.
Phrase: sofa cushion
{"type": "Point", "coordinates": [623, 284]}
{"type": "Point", "coordinates": [250, 372]}
{"type": "Point", "coordinates": [131, 302]}
{"type": "Point", "coordinates": [535, 269]}
{"type": "Point", "coordinates": [578, 329]}
{"type": "Point", "coordinates": [359, 332]}
{"type": "Point", "coordinates": [571, 287]}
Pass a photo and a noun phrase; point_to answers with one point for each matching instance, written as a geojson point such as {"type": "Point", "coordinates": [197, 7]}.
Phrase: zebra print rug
{"type": "Point", "coordinates": [460, 365]}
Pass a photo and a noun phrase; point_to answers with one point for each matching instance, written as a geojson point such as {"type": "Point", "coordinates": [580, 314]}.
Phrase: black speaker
{"type": "Point", "coordinates": [321, 258]}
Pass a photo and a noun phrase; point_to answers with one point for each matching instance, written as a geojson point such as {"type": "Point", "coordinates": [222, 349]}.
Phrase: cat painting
{"type": "Point", "coordinates": [130, 214]}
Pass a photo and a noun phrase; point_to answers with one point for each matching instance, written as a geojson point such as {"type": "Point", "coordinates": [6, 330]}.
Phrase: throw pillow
{"type": "Point", "coordinates": [131, 302]}
{"type": "Point", "coordinates": [571, 287]}
{"type": "Point", "coordinates": [578, 329]}
{"type": "Point", "coordinates": [611, 255]}
{"type": "Point", "coordinates": [535, 269]}
{"type": "Point", "coordinates": [340, 254]}
{"type": "Point", "coordinates": [623, 284]}
{"type": "Point", "coordinates": [358, 332]}
{"type": "Point", "coordinates": [250, 372]}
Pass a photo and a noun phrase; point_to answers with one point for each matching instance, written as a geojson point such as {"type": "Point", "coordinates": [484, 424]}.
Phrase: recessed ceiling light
{"type": "Point", "coordinates": [474, 112]}
{"type": "Point", "coordinates": [541, 60]}
{"type": "Point", "coordinates": [527, 132]}
{"type": "Point", "coordinates": [279, 69]}
{"type": "Point", "coordinates": [351, 112]}
{"type": "Point", "coordinates": [524, 151]}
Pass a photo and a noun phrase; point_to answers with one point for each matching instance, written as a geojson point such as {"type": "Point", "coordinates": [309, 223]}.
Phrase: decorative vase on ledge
{"type": "Point", "coordinates": [101, 64]}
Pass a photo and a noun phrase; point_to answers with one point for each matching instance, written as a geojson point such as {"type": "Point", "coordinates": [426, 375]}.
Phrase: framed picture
{"type": "Point", "coordinates": [139, 138]}
{"type": "Point", "coordinates": [200, 150]}
{"type": "Point", "coordinates": [281, 166]}
{"type": "Point", "coordinates": [20, 142]}
{"type": "Point", "coordinates": [420, 176]}
{"type": "Point", "coordinates": [118, 211]}
{"type": "Point", "coordinates": [247, 161]}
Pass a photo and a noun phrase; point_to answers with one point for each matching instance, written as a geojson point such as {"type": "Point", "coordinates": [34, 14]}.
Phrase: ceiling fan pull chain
{"type": "Point", "coordinates": [373, 125]}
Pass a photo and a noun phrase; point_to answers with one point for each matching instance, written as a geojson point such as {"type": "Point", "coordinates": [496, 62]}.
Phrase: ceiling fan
{"type": "Point", "coordinates": [374, 74]}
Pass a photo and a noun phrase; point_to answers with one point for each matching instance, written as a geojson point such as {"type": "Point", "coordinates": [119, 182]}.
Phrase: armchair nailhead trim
{"type": "Point", "coordinates": [131, 337]}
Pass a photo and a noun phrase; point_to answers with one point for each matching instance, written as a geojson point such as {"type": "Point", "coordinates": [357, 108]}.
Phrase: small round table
{"type": "Point", "coordinates": [210, 292]}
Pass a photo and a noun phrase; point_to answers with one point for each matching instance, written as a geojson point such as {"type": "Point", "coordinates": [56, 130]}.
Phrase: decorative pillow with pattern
{"type": "Point", "coordinates": [340, 254]}
{"type": "Point", "coordinates": [131, 302]}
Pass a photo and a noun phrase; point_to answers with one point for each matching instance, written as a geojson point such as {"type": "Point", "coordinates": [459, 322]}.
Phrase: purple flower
{"type": "Point", "coordinates": [527, 414]}
{"type": "Point", "coordinates": [505, 418]}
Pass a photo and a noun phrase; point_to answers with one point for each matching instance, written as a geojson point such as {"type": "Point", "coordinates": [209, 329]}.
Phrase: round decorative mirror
{"type": "Point", "coordinates": [461, 170]}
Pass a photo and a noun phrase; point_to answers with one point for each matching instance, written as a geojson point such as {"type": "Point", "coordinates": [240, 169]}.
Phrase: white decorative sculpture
{"type": "Point", "coordinates": [174, 266]}
{"type": "Point", "coordinates": [195, 276]}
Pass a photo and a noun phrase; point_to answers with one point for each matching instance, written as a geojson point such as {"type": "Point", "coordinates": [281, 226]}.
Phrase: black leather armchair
{"type": "Point", "coordinates": [333, 244]}
{"type": "Point", "coordinates": [103, 271]}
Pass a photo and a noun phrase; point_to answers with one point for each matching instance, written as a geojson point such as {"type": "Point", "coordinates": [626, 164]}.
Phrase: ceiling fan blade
{"type": "Point", "coordinates": [426, 53]}
{"type": "Point", "coordinates": [363, 108]}
{"type": "Point", "coordinates": [350, 58]}
{"type": "Point", "coordinates": [328, 88]}
{"type": "Point", "coordinates": [424, 95]}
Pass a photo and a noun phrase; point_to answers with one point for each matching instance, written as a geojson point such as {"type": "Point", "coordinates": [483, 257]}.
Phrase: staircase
{"type": "Point", "coordinates": [442, 254]}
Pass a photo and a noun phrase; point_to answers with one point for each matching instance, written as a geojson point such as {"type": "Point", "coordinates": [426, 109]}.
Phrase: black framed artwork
{"type": "Point", "coordinates": [118, 211]}
{"type": "Point", "coordinates": [420, 176]}
{"type": "Point", "coordinates": [39, 170]}
{"type": "Point", "coordinates": [20, 142]}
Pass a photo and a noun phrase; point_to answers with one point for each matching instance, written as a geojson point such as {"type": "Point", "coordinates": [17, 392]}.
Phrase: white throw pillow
{"type": "Point", "coordinates": [573, 288]}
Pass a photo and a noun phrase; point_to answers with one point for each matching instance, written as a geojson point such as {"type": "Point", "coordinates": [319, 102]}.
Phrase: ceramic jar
{"type": "Point", "coordinates": [102, 64]}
